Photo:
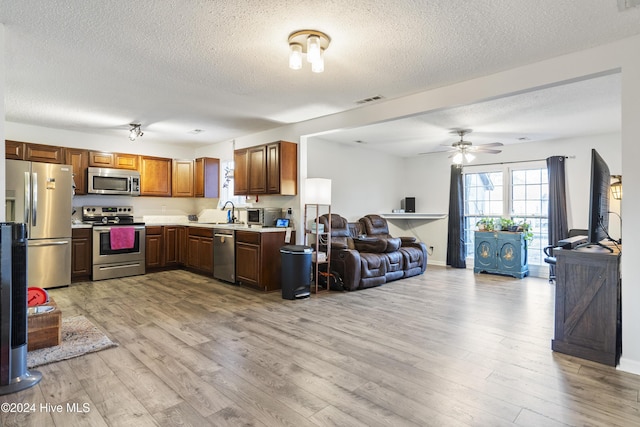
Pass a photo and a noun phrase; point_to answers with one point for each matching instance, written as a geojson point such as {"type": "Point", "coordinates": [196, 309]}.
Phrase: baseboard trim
{"type": "Point", "coordinates": [629, 365]}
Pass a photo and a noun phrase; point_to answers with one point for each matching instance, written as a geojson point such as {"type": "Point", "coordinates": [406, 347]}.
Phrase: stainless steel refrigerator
{"type": "Point", "coordinates": [39, 195]}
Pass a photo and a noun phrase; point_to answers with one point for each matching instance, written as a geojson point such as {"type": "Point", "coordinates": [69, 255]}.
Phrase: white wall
{"type": "Point", "coordinates": [363, 181]}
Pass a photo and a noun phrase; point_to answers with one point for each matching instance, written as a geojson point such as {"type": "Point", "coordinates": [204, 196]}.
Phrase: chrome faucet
{"type": "Point", "coordinates": [233, 210]}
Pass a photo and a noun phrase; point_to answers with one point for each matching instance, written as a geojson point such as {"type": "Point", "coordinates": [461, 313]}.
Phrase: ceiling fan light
{"type": "Point", "coordinates": [295, 56]}
{"type": "Point", "coordinates": [469, 157]}
{"type": "Point", "coordinates": [457, 158]}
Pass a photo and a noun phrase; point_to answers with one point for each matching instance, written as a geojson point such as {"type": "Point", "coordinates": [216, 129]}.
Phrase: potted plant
{"type": "Point", "coordinates": [525, 227]}
{"type": "Point", "coordinates": [485, 224]}
{"type": "Point", "coordinates": [506, 224]}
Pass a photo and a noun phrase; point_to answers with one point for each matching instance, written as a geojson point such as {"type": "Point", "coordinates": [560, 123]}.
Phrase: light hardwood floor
{"type": "Point", "coordinates": [448, 348]}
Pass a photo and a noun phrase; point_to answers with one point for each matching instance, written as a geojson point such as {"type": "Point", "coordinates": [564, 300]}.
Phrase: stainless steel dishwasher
{"type": "Point", "coordinates": [224, 255]}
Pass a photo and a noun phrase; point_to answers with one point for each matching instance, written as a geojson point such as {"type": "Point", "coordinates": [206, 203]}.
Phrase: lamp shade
{"type": "Point", "coordinates": [318, 191]}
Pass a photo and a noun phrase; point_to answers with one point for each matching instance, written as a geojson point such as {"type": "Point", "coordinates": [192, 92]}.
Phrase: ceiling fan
{"type": "Point", "coordinates": [463, 150]}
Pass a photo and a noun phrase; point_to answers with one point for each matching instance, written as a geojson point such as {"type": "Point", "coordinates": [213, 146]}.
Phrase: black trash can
{"type": "Point", "coordinates": [296, 271]}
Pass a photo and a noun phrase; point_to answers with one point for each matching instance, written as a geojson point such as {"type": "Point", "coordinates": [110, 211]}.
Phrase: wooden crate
{"type": "Point", "coordinates": [44, 330]}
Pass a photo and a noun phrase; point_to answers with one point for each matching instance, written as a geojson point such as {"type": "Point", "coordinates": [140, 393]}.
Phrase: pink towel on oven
{"type": "Point", "coordinates": [122, 237]}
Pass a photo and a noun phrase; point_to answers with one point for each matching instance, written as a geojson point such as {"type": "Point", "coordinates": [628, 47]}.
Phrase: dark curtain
{"type": "Point", "coordinates": [456, 251]}
{"type": "Point", "coordinates": [558, 224]}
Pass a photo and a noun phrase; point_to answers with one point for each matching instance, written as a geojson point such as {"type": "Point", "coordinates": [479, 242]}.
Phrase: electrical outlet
{"type": "Point", "coordinates": [431, 248]}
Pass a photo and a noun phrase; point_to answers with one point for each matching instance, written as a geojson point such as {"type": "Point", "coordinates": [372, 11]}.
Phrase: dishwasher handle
{"type": "Point", "coordinates": [228, 236]}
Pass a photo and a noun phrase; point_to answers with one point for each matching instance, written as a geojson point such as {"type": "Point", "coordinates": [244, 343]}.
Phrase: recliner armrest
{"type": "Point", "coordinates": [407, 239]}
{"type": "Point", "coordinates": [339, 245]}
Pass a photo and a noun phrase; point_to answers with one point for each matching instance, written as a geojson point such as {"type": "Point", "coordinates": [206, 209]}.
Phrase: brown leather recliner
{"type": "Point", "coordinates": [414, 253]}
{"type": "Point", "coordinates": [365, 255]}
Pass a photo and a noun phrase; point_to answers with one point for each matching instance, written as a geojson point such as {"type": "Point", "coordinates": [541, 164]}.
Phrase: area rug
{"type": "Point", "coordinates": [79, 336]}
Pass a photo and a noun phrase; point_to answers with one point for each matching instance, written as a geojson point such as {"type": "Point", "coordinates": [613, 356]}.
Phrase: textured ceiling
{"type": "Point", "coordinates": [222, 66]}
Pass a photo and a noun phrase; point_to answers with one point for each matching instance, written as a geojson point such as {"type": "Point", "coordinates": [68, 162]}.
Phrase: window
{"type": "Point", "coordinates": [516, 191]}
{"type": "Point", "coordinates": [226, 192]}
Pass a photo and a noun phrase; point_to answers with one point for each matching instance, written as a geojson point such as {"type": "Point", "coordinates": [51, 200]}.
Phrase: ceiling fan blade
{"type": "Point", "coordinates": [434, 152]}
{"type": "Point", "coordinates": [492, 144]}
{"type": "Point", "coordinates": [487, 150]}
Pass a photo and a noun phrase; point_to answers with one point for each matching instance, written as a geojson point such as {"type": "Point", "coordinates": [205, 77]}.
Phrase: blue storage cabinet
{"type": "Point", "coordinates": [501, 252]}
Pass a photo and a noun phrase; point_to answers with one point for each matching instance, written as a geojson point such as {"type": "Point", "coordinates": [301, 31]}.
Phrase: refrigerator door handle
{"type": "Point", "coordinates": [27, 196]}
{"type": "Point", "coordinates": [35, 198]}
{"type": "Point", "coordinates": [57, 243]}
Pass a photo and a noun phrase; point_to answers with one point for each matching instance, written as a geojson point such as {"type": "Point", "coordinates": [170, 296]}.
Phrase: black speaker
{"type": "Point", "coordinates": [14, 375]}
{"type": "Point", "coordinates": [409, 204]}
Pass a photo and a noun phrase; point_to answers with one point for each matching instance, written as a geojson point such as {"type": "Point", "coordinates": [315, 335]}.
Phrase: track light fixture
{"type": "Point", "coordinates": [310, 42]}
{"type": "Point", "coordinates": [135, 131]}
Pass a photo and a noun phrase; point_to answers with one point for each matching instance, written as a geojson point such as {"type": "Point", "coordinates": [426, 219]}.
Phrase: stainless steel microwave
{"type": "Point", "coordinates": [265, 217]}
{"type": "Point", "coordinates": [113, 181]}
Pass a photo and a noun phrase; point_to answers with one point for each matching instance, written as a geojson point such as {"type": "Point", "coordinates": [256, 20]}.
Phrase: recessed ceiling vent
{"type": "Point", "coordinates": [374, 98]}
{"type": "Point", "coordinates": [627, 4]}
{"type": "Point", "coordinates": [196, 131]}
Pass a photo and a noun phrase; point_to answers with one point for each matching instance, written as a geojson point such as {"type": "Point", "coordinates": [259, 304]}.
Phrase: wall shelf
{"type": "Point", "coordinates": [422, 216]}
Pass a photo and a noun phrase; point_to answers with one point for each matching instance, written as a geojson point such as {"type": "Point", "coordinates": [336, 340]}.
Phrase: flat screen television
{"type": "Point", "coordinates": [598, 200]}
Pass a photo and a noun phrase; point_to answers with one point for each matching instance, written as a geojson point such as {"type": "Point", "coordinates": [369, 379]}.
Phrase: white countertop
{"type": "Point", "coordinates": [242, 227]}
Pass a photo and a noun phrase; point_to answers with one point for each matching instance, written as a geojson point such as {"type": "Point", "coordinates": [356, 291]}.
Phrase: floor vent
{"type": "Point", "coordinates": [372, 99]}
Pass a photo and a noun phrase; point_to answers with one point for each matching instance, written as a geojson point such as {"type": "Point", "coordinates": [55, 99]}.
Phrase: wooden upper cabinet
{"type": "Point", "coordinates": [98, 159]}
{"type": "Point", "coordinates": [258, 170]}
{"type": "Point", "coordinates": [287, 170]}
{"type": "Point", "coordinates": [207, 177]}
{"type": "Point", "coordinates": [183, 178]}
{"type": "Point", "coordinates": [267, 169]}
{"type": "Point", "coordinates": [79, 160]}
{"type": "Point", "coordinates": [155, 176]}
{"type": "Point", "coordinates": [44, 153]}
{"type": "Point", "coordinates": [14, 150]}
{"type": "Point", "coordinates": [125, 161]}
{"type": "Point", "coordinates": [241, 172]}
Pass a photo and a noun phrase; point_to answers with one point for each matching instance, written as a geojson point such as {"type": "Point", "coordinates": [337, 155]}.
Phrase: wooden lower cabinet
{"type": "Point", "coordinates": [165, 246]}
{"type": "Point", "coordinates": [588, 322]}
{"type": "Point", "coordinates": [200, 249]}
{"type": "Point", "coordinates": [501, 252]}
{"type": "Point", "coordinates": [182, 245]}
{"type": "Point", "coordinates": [258, 259]}
{"type": "Point", "coordinates": [81, 250]}
{"type": "Point", "coordinates": [154, 249]}
{"type": "Point", "coordinates": [174, 245]}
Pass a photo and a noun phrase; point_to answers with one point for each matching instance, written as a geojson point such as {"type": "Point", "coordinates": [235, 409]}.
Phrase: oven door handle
{"type": "Point", "coordinates": [137, 228]}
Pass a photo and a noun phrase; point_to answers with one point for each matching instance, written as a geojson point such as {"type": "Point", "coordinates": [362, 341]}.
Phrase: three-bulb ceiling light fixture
{"type": "Point", "coordinates": [461, 156]}
{"type": "Point", "coordinates": [135, 131]}
{"type": "Point", "coordinates": [310, 42]}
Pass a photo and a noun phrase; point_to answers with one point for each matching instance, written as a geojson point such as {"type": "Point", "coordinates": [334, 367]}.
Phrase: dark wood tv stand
{"type": "Point", "coordinates": [588, 309]}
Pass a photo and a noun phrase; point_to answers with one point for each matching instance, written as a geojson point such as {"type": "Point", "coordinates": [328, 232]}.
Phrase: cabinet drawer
{"type": "Point", "coordinates": [248, 237]}
{"type": "Point", "coordinates": [202, 232]}
{"type": "Point", "coordinates": [154, 230]}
